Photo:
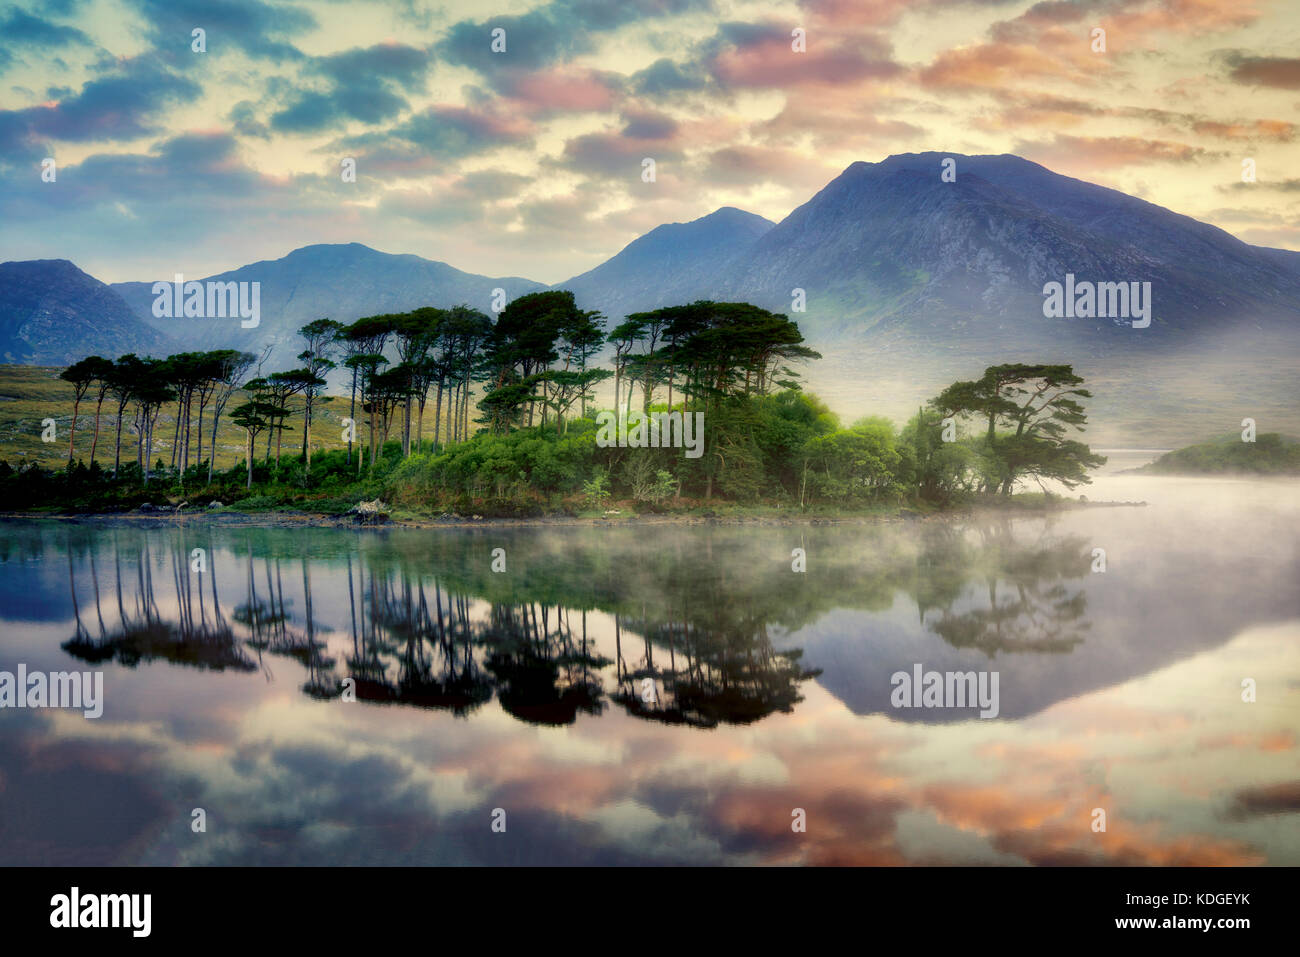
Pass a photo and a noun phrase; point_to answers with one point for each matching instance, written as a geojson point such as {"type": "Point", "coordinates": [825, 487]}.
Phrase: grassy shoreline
{"type": "Point", "coordinates": [721, 514]}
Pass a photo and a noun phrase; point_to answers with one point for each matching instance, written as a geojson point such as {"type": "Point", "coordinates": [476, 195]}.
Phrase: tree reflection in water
{"type": "Point", "coordinates": [686, 637]}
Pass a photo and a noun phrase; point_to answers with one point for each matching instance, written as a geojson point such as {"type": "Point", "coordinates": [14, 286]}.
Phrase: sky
{"type": "Point", "coordinates": [529, 161]}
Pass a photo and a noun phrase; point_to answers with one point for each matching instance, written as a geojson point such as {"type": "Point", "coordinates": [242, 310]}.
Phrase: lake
{"type": "Point", "coordinates": [666, 694]}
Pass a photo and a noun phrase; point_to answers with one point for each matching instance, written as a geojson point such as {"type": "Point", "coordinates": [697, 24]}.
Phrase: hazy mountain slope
{"type": "Point", "coordinates": [891, 248]}
{"type": "Point", "coordinates": [342, 282]}
{"type": "Point", "coordinates": [673, 263]}
{"type": "Point", "coordinates": [52, 313]}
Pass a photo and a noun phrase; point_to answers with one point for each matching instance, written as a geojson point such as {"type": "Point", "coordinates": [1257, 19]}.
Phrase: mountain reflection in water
{"type": "Point", "coordinates": [656, 694]}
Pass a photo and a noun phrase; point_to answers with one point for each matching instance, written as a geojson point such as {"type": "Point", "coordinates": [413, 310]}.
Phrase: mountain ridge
{"type": "Point", "coordinates": [886, 253]}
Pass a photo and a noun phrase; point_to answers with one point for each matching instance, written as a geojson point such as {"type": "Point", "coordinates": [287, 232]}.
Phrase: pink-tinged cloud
{"type": "Point", "coordinates": [562, 90]}
{"type": "Point", "coordinates": [1080, 155]}
{"type": "Point", "coordinates": [1140, 20]}
{"type": "Point", "coordinates": [767, 61]}
{"type": "Point", "coordinates": [994, 65]}
{"type": "Point", "coordinates": [842, 119]}
{"type": "Point", "coordinates": [1276, 131]}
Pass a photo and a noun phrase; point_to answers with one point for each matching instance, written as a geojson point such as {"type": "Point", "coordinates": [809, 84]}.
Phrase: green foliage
{"type": "Point", "coordinates": [595, 491]}
{"type": "Point", "coordinates": [860, 464]}
{"type": "Point", "coordinates": [500, 467]}
{"type": "Point", "coordinates": [1035, 406]}
{"type": "Point", "coordinates": [1270, 454]}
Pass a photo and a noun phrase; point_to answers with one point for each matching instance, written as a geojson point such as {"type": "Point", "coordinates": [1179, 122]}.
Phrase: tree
{"type": "Point", "coordinates": [320, 337]}
{"type": "Point", "coordinates": [466, 334]}
{"type": "Point", "coordinates": [417, 333]}
{"type": "Point", "coordinates": [522, 348]}
{"type": "Point", "coordinates": [253, 417]}
{"type": "Point", "coordinates": [100, 371]}
{"type": "Point", "coordinates": [1037, 404]}
{"type": "Point", "coordinates": [580, 337]}
{"type": "Point", "coordinates": [185, 371]}
{"type": "Point", "coordinates": [229, 366]}
{"type": "Point", "coordinates": [365, 337]}
{"type": "Point", "coordinates": [122, 381]}
{"type": "Point", "coordinates": [365, 369]}
{"type": "Point", "coordinates": [80, 375]}
{"type": "Point", "coordinates": [151, 389]}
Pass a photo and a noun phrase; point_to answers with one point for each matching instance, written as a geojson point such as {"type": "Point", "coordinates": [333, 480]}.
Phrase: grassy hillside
{"type": "Point", "coordinates": [29, 394]}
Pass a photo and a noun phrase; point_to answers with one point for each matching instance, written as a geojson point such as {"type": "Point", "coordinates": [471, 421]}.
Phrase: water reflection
{"type": "Point", "coordinates": [416, 640]}
{"type": "Point", "coordinates": [1032, 597]}
{"type": "Point", "coordinates": [656, 694]}
{"type": "Point", "coordinates": [693, 637]}
{"type": "Point", "coordinates": [141, 632]}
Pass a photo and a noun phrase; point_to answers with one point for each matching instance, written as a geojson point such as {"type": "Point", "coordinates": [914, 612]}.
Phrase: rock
{"type": "Point", "coordinates": [370, 512]}
{"type": "Point", "coordinates": [146, 507]}
{"type": "Point", "coordinates": [215, 504]}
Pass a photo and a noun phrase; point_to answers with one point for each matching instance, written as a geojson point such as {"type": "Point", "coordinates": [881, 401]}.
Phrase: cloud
{"type": "Point", "coordinates": [24, 31]}
{"type": "Point", "coordinates": [993, 65]}
{"type": "Point", "coordinates": [449, 132]}
{"type": "Point", "coordinates": [618, 155]}
{"type": "Point", "coordinates": [1093, 152]}
{"type": "Point", "coordinates": [460, 201]}
{"type": "Point", "coordinates": [760, 55]}
{"type": "Point", "coordinates": [550, 34]}
{"type": "Point", "coordinates": [1282, 798]}
{"type": "Point", "coordinates": [1276, 131]}
{"type": "Point", "coordinates": [1280, 186]}
{"type": "Point", "coordinates": [254, 27]}
{"type": "Point", "coordinates": [561, 90]}
{"type": "Point", "coordinates": [363, 86]}
{"type": "Point", "coordinates": [1280, 72]}
{"type": "Point", "coordinates": [665, 77]}
{"type": "Point", "coordinates": [117, 107]}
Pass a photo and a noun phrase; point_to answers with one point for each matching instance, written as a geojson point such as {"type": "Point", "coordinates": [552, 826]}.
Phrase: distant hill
{"type": "Point", "coordinates": [671, 264]}
{"type": "Point", "coordinates": [342, 282]}
{"type": "Point", "coordinates": [1270, 454]}
{"type": "Point", "coordinates": [52, 313]}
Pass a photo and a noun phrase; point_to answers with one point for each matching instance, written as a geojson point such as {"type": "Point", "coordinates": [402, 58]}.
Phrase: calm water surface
{"type": "Point", "coordinates": [665, 694]}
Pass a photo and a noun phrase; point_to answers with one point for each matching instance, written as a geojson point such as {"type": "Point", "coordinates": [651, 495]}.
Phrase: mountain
{"type": "Point", "coordinates": [673, 263]}
{"type": "Point", "coordinates": [342, 282]}
{"type": "Point", "coordinates": [52, 313]}
{"type": "Point", "coordinates": [910, 283]}
{"type": "Point", "coordinates": [889, 251]}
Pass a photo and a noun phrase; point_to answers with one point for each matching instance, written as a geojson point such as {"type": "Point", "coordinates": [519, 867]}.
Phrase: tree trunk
{"type": "Point", "coordinates": [212, 455]}
{"type": "Point", "coordinates": [437, 417]}
{"type": "Point", "coordinates": [176, 435]}
{"type": "Point", "coordinates": [117, 453]}
{"type": "Point", "coordinates": [94, 442]}
{"type": "Point", "coordinates": [73, 437]}
{"type": "Point", "coordinates": [352, 414]}
{"type": "Point", "coordinates": [198, 459]}
{"type": "Point", "coordinates": [306, 427]}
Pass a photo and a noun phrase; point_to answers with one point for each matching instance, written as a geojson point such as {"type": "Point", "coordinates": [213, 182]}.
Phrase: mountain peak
{"type": "Point", "coordinates": [731, 214]}
{"type": "Point", "coordinates": [675, 262]}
